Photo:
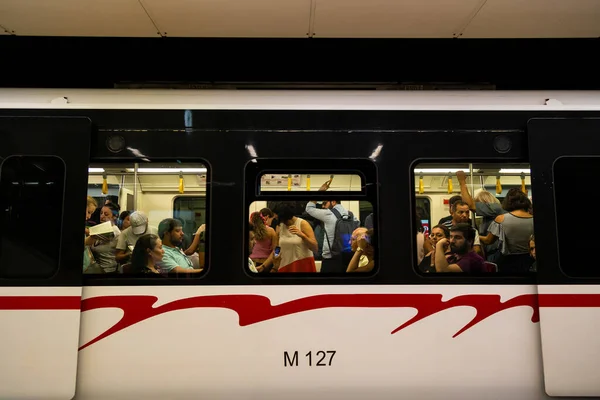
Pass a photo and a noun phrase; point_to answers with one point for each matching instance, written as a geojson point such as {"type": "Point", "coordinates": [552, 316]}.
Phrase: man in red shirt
{"type": "Point", "coordinates": [462, 257]}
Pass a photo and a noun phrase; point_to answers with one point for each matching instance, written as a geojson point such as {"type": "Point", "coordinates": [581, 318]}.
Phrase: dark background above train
{"type": "Point", "coordinates": [393, 64]}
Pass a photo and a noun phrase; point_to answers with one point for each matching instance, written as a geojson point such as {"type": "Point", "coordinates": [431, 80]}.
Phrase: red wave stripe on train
{"type": "Point", "coordinates": [253, 309]}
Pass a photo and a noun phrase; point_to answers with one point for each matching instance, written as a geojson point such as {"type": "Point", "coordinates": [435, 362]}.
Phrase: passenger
{"type": "Point", "coordinates": [447, 221]}
{"type": "Point", "coordinates": [463, 258]}
{"type": "Point", "coordinates": [460, 215]}
{"type": "Point", "coordinates": [438, 232]}
{"type": "Point", "coordinates": [533, 267]}
{"type": "Point", "coordinates": [170, 231]}
{"type": "Point", "coordinates": [369, 221]}
{"type": "Point", "coordinates": [252, 243]}
{"type": "Point", "coordinates": [123, 221]}
{"type": "Point", "coordinates": [513, 230]}
{"type": "Point", "coordinates": [88, 258]}
{"type": "Point", "coordinates": [139, 226]}
{"type": "Point", "coordinates": [486, 205]}
{"type": "Point", "coordinates": [420, 240]}
{"type": "Point", "coordinates": [364, 252]}
{"type": "Point", "coordinates": [147, 254]}
{"type": "Point", "coordinates": [103, 248]}
{"type": "Point", "coordinates": [264, 236]}
{"type": "Point", "coordinates": [331, 211]}
{"type": "Point", "coordinates": [296, 240]}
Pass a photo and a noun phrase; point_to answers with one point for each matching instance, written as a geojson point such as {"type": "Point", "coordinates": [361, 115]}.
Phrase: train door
{"type": "Point", "coordinates": [43, 175]}
{"type": "Point", "coordinates": [565, 162]}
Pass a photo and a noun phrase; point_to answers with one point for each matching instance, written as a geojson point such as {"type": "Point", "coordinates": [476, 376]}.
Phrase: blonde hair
{"type": "Point", "coordinates": [92, 202]}
{"type": "Point", "coordinates": [486, 197]}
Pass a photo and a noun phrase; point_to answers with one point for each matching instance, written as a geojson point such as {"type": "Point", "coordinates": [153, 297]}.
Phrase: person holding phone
{"type": "Point", "coordinates": [295, 243]}
{"type": "Point", "coordinates": [363, 259]}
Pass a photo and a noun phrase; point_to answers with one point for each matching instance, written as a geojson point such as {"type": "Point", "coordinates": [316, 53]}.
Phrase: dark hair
{"type": "Point", "coordinates": [454, 199]}
{"type": "Point", "coordinates": [458, 203]}
{"type": "Point", "coordinates": [168, 225]}
{"type": "Point", "coordinates": [467, 230]}
{"type": "Point", "coordinates": [336, 200]}
{"type": "Point", "coordinates": [444, 228]}
{"type": "Point", "coordinates": [124, 215]}
{"type": "Point", "coordinates": [113, 207]}
{"type": "Point", "coordinates": [418, 223]}
{"type": "Point", "coordinates": [139, 256]}
{"type": "Point", "coordinates": [516, 200]}
{"type": "Point", "coordinates": [285, 211]}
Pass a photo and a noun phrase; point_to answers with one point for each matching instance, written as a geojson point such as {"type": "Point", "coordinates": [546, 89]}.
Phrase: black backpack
{"type": "Point", "coordinates": [344, 227]}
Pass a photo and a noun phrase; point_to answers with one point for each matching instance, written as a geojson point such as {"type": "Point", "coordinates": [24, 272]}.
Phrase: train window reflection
{"type": "Point", "coordinates": [571, 174]}
{"type": "Point", "coordinates": [480, 219]}
{"type": "Point", "coordinates": [31, 200]}
{"type": "Point", "coordinates": [146, 220]}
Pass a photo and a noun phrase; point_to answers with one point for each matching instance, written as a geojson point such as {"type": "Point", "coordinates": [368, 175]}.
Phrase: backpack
{"type": "Point", "coordinates": [320, 236]}
{"type": "Point", "coordinates": [344, 227]}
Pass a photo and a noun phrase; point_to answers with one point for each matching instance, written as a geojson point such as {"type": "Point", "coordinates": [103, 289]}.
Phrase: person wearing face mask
{"type": "Point", "coordinates": [438, 233]}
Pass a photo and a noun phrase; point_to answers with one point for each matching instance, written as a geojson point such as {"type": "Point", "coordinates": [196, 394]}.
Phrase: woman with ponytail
{"type": "Point", "coordinates": [264, 235]}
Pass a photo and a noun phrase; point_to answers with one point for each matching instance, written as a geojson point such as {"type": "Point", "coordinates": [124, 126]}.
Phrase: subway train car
{"type": "Point", "coordinates": [223, 329]}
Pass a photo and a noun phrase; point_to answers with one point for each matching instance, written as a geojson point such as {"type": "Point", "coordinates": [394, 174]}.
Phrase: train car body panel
{"type": "Point", "coordinates": [40, 278]}
{"type": "Point", "coordinates": [396, 333]}
{"type": "Point", "coordinates": [388, 341]}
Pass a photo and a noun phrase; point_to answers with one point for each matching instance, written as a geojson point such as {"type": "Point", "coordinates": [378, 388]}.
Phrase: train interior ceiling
{"type": "Point", "coordinates": [179, 190]}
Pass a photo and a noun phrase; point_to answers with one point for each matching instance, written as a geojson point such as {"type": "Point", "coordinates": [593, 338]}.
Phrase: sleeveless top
{"type": "Point", "coordinates": [295, 254]}
{"type": "Point", "coordinates": [262, 248]}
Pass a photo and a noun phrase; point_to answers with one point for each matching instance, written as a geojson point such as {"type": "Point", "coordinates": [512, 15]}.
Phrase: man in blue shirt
{"type": "Point", "coordinates": [170, 232]}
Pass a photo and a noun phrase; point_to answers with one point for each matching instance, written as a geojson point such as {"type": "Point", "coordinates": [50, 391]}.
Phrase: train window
{"type": "Point", "coordinates": [483, 210]}
{"type": "Point", "coordinates": [307, 237]}
{"type": "Point", "coordinates": [31, 197]}
{"type": "Point", "coordinates": [571, 174]}
{"type": "Point", "coordinates": [129, 201]}
{"type": "Point", "coordinates": [310, 182]}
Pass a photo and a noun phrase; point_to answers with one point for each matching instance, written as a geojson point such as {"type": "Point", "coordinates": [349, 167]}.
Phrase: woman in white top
{"type": "Point", "coordinates": [296, 241]}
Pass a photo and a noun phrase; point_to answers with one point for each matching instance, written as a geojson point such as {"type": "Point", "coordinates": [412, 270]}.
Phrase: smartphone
{"type": "Point", "coordinates": [277, 250]}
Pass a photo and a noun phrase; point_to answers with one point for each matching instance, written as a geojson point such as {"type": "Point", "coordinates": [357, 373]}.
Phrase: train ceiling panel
{"type": "Point", "coordinates": [536, 19]}
{"type": "Point", "coordinates": [231, 18]}
{"type": "Point", "coordinates": [302, 18]}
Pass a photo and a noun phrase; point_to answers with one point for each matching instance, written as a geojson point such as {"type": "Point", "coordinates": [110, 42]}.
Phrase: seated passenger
{"type": "Point", "coordinates": [463, 258]}
{"type": "Point", "coordinates": [138, 226]}
{"type": "Point", "coordinates": [103, 248]}
{"type": "Point", "coordinates": [438, 232]}
{"type": "Point", "coordinates": [170, 232]}
{"type": "Point", "coordinates": [363, 258]}
{"type": "Point", "coordinates": [146, 255]}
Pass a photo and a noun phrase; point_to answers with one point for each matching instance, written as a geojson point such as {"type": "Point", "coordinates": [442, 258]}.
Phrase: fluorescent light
{"type": "Point", "coordinates": [515, 171]}
{"type": "Point", "coordinates": [440, 170]}
{"type": "Point", "coordinates": [91, 170]}
{"type": "Point", "coordinates": [170, 170]}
